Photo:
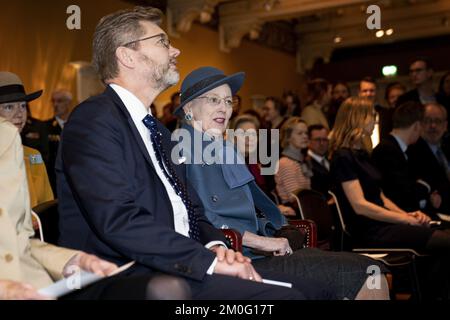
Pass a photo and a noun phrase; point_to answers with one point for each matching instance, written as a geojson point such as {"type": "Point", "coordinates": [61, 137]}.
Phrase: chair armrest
{"type": "Point", "coordinates": [309, 228]}
{"type": "Point", "coordinates": [234, 238]}
{"type": "Point", "coordinates": [389, 250]}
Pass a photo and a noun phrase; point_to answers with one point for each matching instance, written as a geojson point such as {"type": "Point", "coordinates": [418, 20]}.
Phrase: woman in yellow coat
{"type": "Point", "coordinates": [13, 107]}
{"type": "Point", "coordinates": [38, 182]}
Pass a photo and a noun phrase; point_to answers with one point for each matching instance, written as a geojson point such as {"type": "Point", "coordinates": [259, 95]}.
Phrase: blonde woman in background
{"type": "Point", "coordinates": [294, 171]}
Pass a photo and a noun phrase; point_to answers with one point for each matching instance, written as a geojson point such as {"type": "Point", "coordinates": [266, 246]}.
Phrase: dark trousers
{"type": "Point", "coordinates": [212, 287]}
{"type": "Point", "coordinates": [219, 287]}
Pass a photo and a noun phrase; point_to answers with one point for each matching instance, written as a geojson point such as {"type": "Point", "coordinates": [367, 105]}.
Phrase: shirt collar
{"type": "Point", "coordinates": [402, 144]}
{"type": "Point", "coordinates": [134, 106]}
{"type": "Point", "coordinates": [60, 121]}
{"type": "Point", "coordinates": [315, 156]}
{"type": "Point", "coordinates": [433, 147]}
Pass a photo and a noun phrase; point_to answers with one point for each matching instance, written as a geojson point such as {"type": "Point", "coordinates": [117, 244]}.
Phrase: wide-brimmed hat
{"type": "Point", "coordinates": [204, 79]}
{"type": "Point", "coordinates": [12, 90]}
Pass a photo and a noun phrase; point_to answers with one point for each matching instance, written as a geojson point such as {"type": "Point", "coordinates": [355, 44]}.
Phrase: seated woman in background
{"type": "Point", "coordinates": [230, 195]}
{"type": "Point", "coordinates": [294, 171]}
{"type": "Point", "coordinates": [14, 109]}
{"type": "Point", "coordinates": [246, 139]}
{"type": "Point", "coordinates": [373, 219]}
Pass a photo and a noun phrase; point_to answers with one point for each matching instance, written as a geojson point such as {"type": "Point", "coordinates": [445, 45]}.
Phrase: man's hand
{"type": "Point", "coordinates": [13, 290]}
{"type": "Point", "coordinates": [228, 255]}
{"type": "Point", "coordinates": [89, 262]}
{"type": "Point", "coordinates": [237, 269]}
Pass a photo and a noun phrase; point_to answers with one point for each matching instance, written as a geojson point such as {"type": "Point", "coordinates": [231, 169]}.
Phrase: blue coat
{"type": "Point", "coordinates": [229, 193]}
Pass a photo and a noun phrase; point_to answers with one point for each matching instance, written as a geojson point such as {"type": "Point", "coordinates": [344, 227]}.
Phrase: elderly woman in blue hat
{"type": "Point", "coordinates": [233, 200]}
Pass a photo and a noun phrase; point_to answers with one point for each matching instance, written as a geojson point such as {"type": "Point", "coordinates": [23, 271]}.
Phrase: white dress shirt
{"type": "Point", "coordinates": [138, 112]}
{"type": "Point", "coordinates": [320, 159]}
{"type": "Point", "coordinates": [60, 121]}
{"type": "Point", "coordinates": [375, 137]}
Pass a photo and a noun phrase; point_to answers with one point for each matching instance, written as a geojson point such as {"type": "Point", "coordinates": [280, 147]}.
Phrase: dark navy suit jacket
{"type": "Point", "coordinates": [398, 179]}
{"type": "Point", "coordinates": [111, 200]}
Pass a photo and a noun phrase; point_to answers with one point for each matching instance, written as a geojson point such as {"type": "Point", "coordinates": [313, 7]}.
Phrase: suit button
{"type": "Point", "coordinates": [9, 257]}
{"type": "Point", "coordinates": [215, 198]}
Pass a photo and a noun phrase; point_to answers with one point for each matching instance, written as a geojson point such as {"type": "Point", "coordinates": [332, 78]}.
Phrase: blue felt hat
{"type": "Point", "coordinates": [204, 79]}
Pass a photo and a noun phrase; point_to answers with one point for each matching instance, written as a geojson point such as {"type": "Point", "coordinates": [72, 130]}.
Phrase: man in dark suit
{"type": "Point", "coordinates": [121, 196]}
{"type": "Point", "coordinates": [398, 181]}
{"type": "Point", "coordinates": [62, 101]}
{"type": "Point", "coordinates": [317, 154]}
{"type": "Point", "coordinates": [430, 157]}
{"type": "Point", "coordinates": [421, 74]}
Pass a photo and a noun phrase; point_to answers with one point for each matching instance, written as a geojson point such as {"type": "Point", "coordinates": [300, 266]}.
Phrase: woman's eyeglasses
{"type": "Point", "coordinates": [215, 100]}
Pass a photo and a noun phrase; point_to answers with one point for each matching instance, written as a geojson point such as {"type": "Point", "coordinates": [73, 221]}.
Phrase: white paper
{"type": "Point", "coordinates": [77, 281]}
{"type": "Point", "coordinates": [277, 283]}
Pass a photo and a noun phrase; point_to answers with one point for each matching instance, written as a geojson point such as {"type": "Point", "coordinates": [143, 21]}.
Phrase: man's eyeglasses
{"type": "Point", "coordinates": [215, 100]}
{"type": "Point", "coordinates": [164, 41]}
{"type": "Point", "coordinates": [429, 121]}
{"type": "Point", "coordinates": [320, 140]}
{"type": "Point", "coordinates": [411, 71]}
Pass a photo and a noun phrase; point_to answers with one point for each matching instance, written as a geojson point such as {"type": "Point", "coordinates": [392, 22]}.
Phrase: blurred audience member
{"type": "Point", "coordinates": [273, 112]}
{"type": "Point", "coordinates": [443, 95]}
{"type": "Point", "coordinates": [292, 103]}
{"type": "Point", "coordinates": [246, 139]}
{"type": "Point", "coordinates": [62, 104]}
{"type": "Point", "coordinates": [168, 118]}
{"type": "Point", "coordinates": [319, 92]}
{"type": "Point", "coordinates": [368, 90]}
{"type": "Point", "coordinates": [398, 180]}
{"type": "Point", "coordinates": [430, 157]}
{"type": "Point", "coordinates": [294, 172]}
{"type": "Point", "coordinates": [393, 91]}
{"type": "Point", "coordinates": [421, 75]}
{"type": "Point", "coordinates": [317, 154]}
{"type": "Point", "coordinates": [385, 113]}
{"type": "Point", "coordinates": [339, 93]}
{"type": "Point", "coordinates": [237, 105]}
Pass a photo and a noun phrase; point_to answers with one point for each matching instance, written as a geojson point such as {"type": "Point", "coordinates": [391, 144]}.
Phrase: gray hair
{"type": "Point", "coordinates": [116, 29]}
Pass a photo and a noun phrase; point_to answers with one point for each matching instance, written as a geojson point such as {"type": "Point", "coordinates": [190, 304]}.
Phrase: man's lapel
{"type": "Point", "coordinates": [118, 102]}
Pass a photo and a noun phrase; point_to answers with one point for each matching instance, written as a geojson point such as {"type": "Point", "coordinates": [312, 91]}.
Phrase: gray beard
{"type": "Point", "coordinates": [162, 77]}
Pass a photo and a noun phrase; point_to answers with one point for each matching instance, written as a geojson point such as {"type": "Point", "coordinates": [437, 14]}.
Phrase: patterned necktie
{"type": "Point", "coordinates": [166, 167]}
{"type": "Point", "coordinates": [443, 161]}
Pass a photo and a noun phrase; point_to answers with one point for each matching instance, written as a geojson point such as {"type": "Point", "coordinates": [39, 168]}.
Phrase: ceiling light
{"type": "Point", "coordinates": [337, 39]}
{"type": "Point", "coordinates": [389, 71]}
{"type": "Point", "coordinates": [389, 31]}
{"type": "Point", "coordinates": [379, 33]}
